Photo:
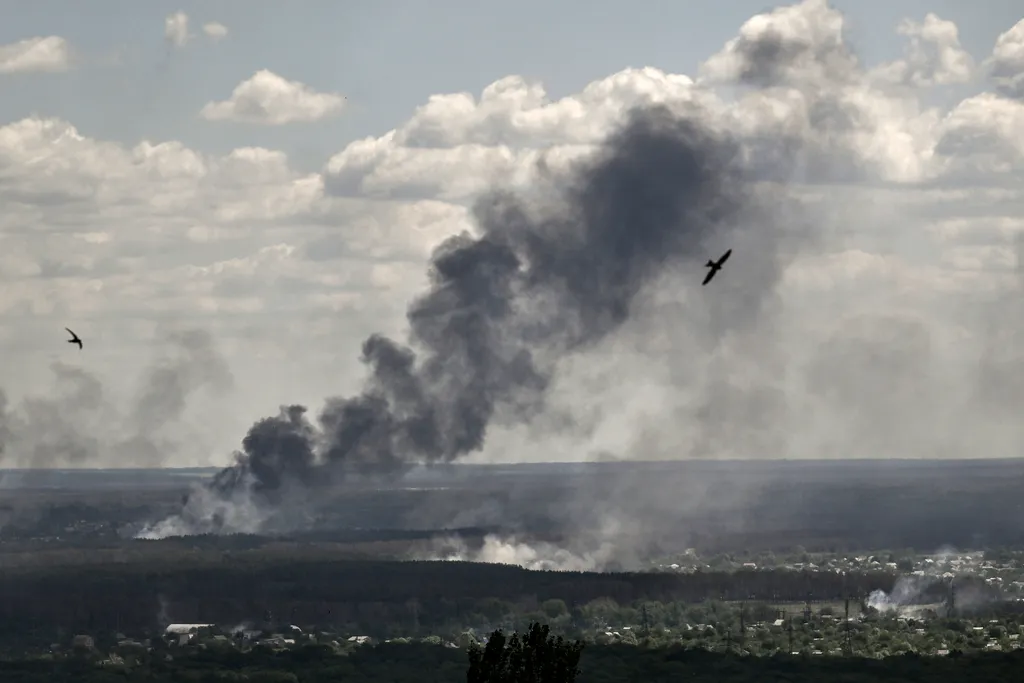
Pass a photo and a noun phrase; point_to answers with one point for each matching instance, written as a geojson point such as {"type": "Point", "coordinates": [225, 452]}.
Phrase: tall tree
{"type": "Point", "coordinates": [537, 657]}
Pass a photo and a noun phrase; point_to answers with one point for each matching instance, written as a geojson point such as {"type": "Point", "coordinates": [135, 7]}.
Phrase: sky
{"type": "Point", "coordinates": [223, 199]}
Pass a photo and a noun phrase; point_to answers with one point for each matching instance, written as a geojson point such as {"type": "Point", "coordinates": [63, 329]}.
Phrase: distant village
{"type": "Point", "coordinates": [1007, 573]}
{"type": "Point", "coordinates": [876, 627]}
{"type": "Point", "coordinates": [815, 633]}
{"type": "Point", "coordinates": [180, 638]}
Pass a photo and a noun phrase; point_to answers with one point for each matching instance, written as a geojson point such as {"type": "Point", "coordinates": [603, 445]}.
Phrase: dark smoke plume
{"type": "Point", "coordinates": [549, 274]}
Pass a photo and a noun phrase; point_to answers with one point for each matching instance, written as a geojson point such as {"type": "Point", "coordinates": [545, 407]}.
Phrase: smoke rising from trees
{"type": "Point", "coordinates": [552, 272]}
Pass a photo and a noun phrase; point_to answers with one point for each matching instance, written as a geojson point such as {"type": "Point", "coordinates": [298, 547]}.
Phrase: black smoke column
{"type": "Point", "coordinates": [550, 272]}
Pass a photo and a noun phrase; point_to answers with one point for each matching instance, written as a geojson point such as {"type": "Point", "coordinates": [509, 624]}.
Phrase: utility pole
{"type": "Point", "coordinates": [848, 642]}
{"type": "Point", "coordinates": [791, 634]}
{"type": "Point", "coordinates": [647, 624]}
{"type": "Point", "coordinates": [743, 629]}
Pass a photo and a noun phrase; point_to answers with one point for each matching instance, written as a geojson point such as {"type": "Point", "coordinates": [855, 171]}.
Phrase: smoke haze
{"type": "Point", "coordinates": [77, 424]}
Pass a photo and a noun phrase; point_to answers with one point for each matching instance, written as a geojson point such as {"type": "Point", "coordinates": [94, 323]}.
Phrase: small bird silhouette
{"type": "Point", "coordinates": [74, 339]}
{"type": "Point", "coordinates": [715, 267]}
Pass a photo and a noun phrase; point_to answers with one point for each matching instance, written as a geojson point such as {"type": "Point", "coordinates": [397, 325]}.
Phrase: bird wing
{"type": "Point", "coordinates": [70, 332]}
{"type": "Point", "coordinates": [725, 257]}
{"type": "Point", "coordinates": [711, 274]}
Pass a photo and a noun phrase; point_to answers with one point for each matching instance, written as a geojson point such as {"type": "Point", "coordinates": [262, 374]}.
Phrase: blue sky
{"type": "Point", "coordinates": [387, 56]}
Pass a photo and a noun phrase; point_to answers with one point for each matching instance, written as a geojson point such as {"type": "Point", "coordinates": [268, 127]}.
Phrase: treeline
{"type": "Point", "coordinates": [377, 597]}
{"type": "Point", "coordinates": [419, 663]}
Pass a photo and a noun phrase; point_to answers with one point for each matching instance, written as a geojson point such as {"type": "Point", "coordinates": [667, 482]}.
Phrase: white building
{"type": "Point", "coordinates": [183, 633]}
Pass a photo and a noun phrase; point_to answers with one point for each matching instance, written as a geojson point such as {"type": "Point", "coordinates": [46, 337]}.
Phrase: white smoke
{"type": "Point", "coordinates": [163, 617]}
{"type": "Point", "coordinates": [908, 589]}
{"type": "Point", "coordinates": [537, 555]}
{"type": "Point", "coordinates": [601, 550]}
{"type": "Point", "coordinates": [207, 511]}
{"type": "Point", "coordinates": [905, 592]}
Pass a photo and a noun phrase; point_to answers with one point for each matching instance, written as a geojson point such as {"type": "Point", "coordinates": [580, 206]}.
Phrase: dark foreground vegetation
{"type": "Point", "coordinates": [376, 598]}
{"type": "Point", "coordinates": [532, 657]}
{"type": "Point", "coordinates": [420, 663]}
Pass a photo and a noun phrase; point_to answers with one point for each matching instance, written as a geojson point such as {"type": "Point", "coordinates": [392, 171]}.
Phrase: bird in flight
{"type": "Point", "coordinates": [715, 267]}
{"type": "Point", "coordinates": [74, 339]}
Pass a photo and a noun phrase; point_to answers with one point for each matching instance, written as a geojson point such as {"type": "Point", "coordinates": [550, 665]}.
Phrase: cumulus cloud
{"type": "Point", "coordinates": [979, 141]}
{"type": "Point", "coordinates": [894, 318]}
{"type": "Point", "coordinates": [176, 29]}
{"type": "Point", "coordinates": [48, 54]}
{"type": "Point", "coordinates": [789, 45]}
{"type": "Point", "coordinates": [934, 55]}
{"type": "Point", "coordinates": [1007, 62]}
{"type": "Point", "coordinates": [215, 30]}
{"type": "Point", "coordinates": [269, 99]}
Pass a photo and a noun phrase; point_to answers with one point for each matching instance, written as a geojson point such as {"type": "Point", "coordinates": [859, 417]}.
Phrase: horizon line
{"type": "Point", "coordinates": [702, 461]}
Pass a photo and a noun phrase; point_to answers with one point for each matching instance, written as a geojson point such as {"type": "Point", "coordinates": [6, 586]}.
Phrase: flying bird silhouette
{"type": "Point", "coordinates": [715, 267]}
{"type": "Point", "coordinates": [74, 339]}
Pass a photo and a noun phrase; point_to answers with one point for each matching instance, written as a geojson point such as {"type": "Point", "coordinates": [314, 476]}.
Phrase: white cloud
{"type": "Point", "coordinates": [797, 43]}
{"type": "Point", "coordinates": [1007, 61]}
{"type": "Point", "coordinates": [916, 210]}
{"type": "Point", "coordinates": [981, 139]}
{"type": "Point", "coordinates": [51, 53]}
{"type": "Point", "coordinates": [269, 99]}
{"type": "Point", "coordinates": [933, 57]}
{"type": "Point", "coordinates": [176, 29]}
{"type": "Point", "coordinates": [215, 30]}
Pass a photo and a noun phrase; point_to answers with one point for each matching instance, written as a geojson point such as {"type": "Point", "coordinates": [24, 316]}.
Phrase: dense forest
{"type": "Point", "coordinates": [420, 663]}
{"type": "Point", "coordinates": [378, 598]}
